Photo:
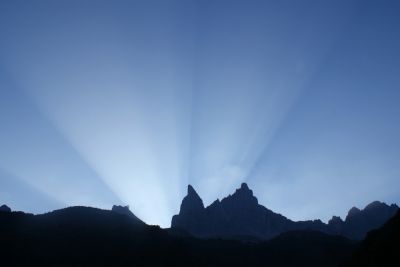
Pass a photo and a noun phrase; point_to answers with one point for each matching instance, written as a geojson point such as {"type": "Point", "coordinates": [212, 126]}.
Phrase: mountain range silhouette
{"type": "Point", "coordinates": [235, 231]}
{"type": "Point", "coordinates": [240, 216]}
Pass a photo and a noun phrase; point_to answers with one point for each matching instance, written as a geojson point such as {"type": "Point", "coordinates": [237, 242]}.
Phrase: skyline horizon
{"type": "Point", "coordinates": [190, 187]}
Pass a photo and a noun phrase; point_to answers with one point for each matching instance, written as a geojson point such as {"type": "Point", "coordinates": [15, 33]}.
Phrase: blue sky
{"type": "Point", "coordinates": [126, 102]}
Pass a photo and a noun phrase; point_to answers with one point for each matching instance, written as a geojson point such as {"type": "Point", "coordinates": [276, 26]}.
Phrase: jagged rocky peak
{"type": "Point", "coordinates": [190, 217]}
{"type": "Point", "coordinates": [244, 190]}
{"type": "Point", "coordinates": [374, 208]}
{"type": "Point", "coordinates": [216, 203]}
{"type": "Point", "coordinates": [375, 205]}
{"type": "Point", "coordinates": [335, 220]}
{"type": "Point", "coordinates": [352, 212]}
{"type": "Point", "coordinates": [244, 186]}
{"type": "Point", "coordinates": [122, 210]}
{"type": "Point", "coordinates": [5, 208]}
{"type": "Point", "coordinates": [245, 195]}
{"type": "Point", "coordinates": [191, 191]}
{"type": "Point", "coordinates": [374, 215]}
{"type": "Point", "coordinates": [240, 214]}
{"type": "Point", "coordinates": [336, 225]}
{"type": "Point", "coordinates": [192, 202]}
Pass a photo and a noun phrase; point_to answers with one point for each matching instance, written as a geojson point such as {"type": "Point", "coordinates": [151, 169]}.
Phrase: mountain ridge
{"type": "Point", "coordinates": [86, 236]}
{"type": "Point", "coordinates": [240, 214]}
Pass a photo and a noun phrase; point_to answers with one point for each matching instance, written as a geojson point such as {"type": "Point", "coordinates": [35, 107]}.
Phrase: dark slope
{"type": "Point", "coordinates": [359, 222]}
{"type": "Point", "coordinates": [240, 216]}
{"type": "Point", "coordinates": [4, 208]}
{"type": "Point", "coordinates": [314, 247]}
{"type": "Point", "coordinates": [81, 236]}
{"type": "Point", "coordinates": [124, 210]}
{"type": "Point", "coordinates": [381, 247]}
{"type": "Point", "coordinates": [67, 235]}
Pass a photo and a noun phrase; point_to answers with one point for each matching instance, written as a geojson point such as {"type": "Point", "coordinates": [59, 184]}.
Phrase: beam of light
{"type": "Point", "coordinates": [129, 129]}
{"type": "Point", "coordinates": [122, 109]}
{"type": "Point", "coordinates": [245, 86]}
{"type": "Point", "coordinates": [155, 96]}
{"type": "Point", "coordinates": [126, 112]}
{"type": "Point", "coordinates": [36, 153]}
{"type": "Point", "coordinates": [105, 122]}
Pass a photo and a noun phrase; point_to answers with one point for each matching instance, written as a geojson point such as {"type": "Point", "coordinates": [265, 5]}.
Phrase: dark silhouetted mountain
{"type": "Point", "coordinates": [125, 211]}
{"type": "Point", "coordinates": [359, 222]}
{"type": "Point", "coordinates": [240, 216]}
{"type": "Point", "coordinates": [237, 216]}
{"type": "Point", "coordinates": [192, 209]}
{"type": "Point", "coordinates": [314, 247]}
{"type": "Point", "coordinates": [81, 236]}
{"type": "Point", "coordinates": [5, 208]}
{"type": "Point", "coordinates": [336, 224]}
{"type": "Point", "coordinates": [380, 247]}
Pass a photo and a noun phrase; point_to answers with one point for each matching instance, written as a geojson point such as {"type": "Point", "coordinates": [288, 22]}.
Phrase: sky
{"type": "Point", "coordinates": [128, 102]}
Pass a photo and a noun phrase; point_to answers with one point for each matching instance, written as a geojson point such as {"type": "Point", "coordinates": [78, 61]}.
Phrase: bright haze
{"type": "Point", "coordinates": [128, 102]}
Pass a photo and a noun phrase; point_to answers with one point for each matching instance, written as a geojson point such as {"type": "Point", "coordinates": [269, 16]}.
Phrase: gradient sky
{"type": "Point", "coordinates": [126, 102]}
